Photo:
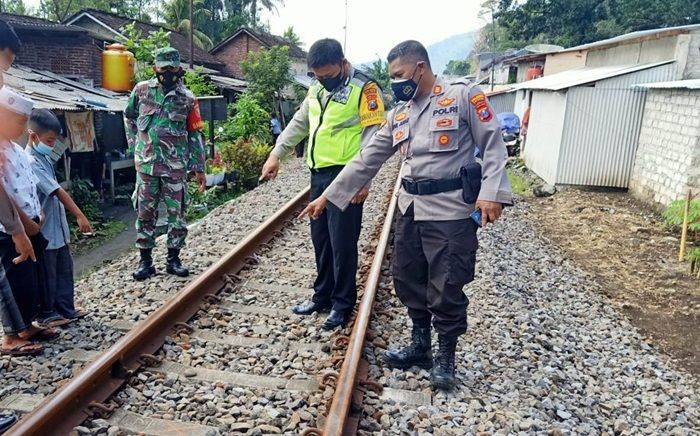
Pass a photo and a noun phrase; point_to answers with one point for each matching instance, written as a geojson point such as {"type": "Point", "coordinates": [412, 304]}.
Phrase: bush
{"type": "Point", "coordinates": [248, 120]}
{"type": "Point", "coordinates": [246, 156]}
{"type": "Point", "coordinates": [83, 193]}
{"type": "Point", "coordinates": [673, 215]}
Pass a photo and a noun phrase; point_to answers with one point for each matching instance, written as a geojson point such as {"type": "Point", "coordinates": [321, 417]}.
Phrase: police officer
{"type": "Point", "coordinates": [435, 128]}
{"type": "Point", "coordinates": [165, 132]}
{"type": "Point", "coordinates": [342, 110]}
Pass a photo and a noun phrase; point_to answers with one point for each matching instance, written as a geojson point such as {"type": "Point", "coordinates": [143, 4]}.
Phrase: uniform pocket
{"type": "Point", "coordinates": [461, 251]}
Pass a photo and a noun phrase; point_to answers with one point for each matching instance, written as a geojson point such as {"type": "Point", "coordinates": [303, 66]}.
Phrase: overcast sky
{"type": "Point", "coordinates": [374, 26]}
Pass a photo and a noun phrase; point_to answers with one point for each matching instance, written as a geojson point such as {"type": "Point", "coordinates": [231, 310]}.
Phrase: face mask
{"type": "Point", "coordinates": [405, 89]}
{"type": "Point", "coordinates": [331, 83]}
{"type": "Point", "coordinates": [169, 78]}
{"type": "Point", "coordinates": [43, 149]}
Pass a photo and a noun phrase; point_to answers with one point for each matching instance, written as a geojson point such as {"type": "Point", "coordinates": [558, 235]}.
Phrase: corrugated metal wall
{"type": "Point", "coordinates": [503, 102]}
{"type": "Point", "coordinates": [601, 129]}
{"type": "Point", "coordinates": [544, 137]}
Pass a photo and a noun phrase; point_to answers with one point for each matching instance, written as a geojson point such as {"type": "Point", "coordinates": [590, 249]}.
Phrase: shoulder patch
{"type": "Point", "coordinates": [371, 105]}
{"type": "Point", "coordinates": [481, 107]}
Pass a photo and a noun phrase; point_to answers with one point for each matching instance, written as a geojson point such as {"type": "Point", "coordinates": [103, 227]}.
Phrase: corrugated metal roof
{"type": "Point", "coordinates": [229, 83]}
{"type": "Point", "coordinates": [630, 37]}
{"type": "Point", "coordinates": [676, 84]}
{"type": "Point", "coordinates": [581, 76]}
{"type": "Point", "coordinates": [49, 91]}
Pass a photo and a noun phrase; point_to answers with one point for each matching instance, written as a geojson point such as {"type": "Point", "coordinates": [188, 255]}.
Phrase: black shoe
{"type": "Point", "coordinates": [145, 268]}
{"type": "Point", "coordinates": [418, 352]}
{"type": "Point", "coordinates": [174, 265]}
{"type": "Point", "coordinates": [335, 319]}
{"type": "Point", "coordinates": [443, 374]}
{"type": "Point", "coordinates": [309, 307]}
{"type": "Point", "coordinates": [6, 422]}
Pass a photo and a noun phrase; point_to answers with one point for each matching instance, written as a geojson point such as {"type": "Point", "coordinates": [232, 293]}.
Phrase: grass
{"type": "Point", "coordinates": [103, 233]}
{"type": "Point", "coordinates": [519, 185]}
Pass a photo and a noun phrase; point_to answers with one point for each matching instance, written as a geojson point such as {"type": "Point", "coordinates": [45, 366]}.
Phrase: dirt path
{"type": "Point", "coordinates": [623, 244]}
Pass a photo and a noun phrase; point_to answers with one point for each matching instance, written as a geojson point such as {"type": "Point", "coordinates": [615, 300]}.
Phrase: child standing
{"type": "Point", "coordinates": [20, 306]}
{"type": "Point", "coordinates": [57, 300]}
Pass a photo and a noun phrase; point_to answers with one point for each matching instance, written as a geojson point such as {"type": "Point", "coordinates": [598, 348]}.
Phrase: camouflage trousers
{"type": "Point", "coordinates": [150, 190]}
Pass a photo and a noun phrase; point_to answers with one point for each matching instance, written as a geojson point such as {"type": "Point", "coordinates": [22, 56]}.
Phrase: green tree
{"type": "Point", "coordinates": [267, 74]}
{"type": "Point", "coordinates": [248, 120]}
{"type": "Point", "coordinates": [143, 48]}
{"type": "Point", "coordinates": [291, 36]}
{"type": "Point", "coordinates": [177, 16]}
{"type": "Point", "coordinates": [379, 71]}
{"type": "Point", "coordinates": [255, 6]}
{"type": "Point", "coordinates": [574, 22]}
{"type": "Point", "coordinates": [60, 10]}
{"type": "Point", "coordinates": [14, 7]}
{"type": "Point", "coordinates": [197, 82]}
{"type": "Point", "coordinates": [458, 67]}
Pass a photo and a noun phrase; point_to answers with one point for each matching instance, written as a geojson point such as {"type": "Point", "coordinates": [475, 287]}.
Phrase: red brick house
{"type": "Point", "coordinates": [235, 48]}
{"type": "Point", "coordinates": [70, 51]}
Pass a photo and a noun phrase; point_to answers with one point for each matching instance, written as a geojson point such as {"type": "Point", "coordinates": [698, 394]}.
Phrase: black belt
{"type": "Point", "coordinates": [429, 187]}
{"type": "Point", "coordinates": [330, 169]}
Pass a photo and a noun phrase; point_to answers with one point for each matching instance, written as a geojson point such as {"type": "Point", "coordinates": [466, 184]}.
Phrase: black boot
{"type": "Point", "coordinates": [418, 352]}
{"type": "Point", "coordinates": [443, 374]}
{"type": "Point", "coordinates": [145, 268]}
{"type": "Point", "coordinates": [174, 265]}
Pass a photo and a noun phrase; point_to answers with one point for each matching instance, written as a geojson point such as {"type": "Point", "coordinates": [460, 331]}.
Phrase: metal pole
{"type": "Point", "coordinates": [345, 39]}
{"type": "Point", "coordinates": [493, 45]}
{"type": "Point", "coordinates": [191, 37]}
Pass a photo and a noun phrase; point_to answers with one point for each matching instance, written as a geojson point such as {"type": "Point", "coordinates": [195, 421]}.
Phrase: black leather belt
{"type": "Point", "coordinates": [429, 187]}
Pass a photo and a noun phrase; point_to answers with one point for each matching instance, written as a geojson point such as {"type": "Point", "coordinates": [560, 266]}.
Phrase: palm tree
{"type": "Point", "coordinates": [264, 4]}
{"type": "Point", "coordinates": [177, 14]}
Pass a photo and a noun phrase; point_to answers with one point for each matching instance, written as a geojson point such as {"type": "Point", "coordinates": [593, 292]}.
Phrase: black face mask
{"type": "Point", "coordinates": [405, 89]}
{"type": "Point", "coordinates": [169, 78]}
{"type": "Point", "coordinates": [331, 83]}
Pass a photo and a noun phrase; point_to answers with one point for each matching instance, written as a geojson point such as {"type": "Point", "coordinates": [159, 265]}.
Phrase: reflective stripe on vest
{"type": "Point", "coordinates": [335, 133]}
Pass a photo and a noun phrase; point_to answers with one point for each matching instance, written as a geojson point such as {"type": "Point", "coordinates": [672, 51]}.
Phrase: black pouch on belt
{"type": "Point", "coordinates": [471, 182]}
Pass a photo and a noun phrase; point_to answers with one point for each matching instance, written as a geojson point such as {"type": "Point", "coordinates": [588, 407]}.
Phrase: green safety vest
{"type": "Point", "coordinates": [335, 133]}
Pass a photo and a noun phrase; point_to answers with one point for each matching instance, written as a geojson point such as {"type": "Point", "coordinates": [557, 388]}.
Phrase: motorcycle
{"type": "Point", "coordinates": [510, 129]}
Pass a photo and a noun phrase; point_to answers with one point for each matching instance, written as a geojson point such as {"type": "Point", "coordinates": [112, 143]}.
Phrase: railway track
{"type": "Point", "coordinates": [225, 355]}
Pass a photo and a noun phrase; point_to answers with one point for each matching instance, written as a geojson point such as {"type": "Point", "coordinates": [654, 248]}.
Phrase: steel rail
{"type": "Point", "coordinates": [74, 402]}
{"type": "Point", "coordinates": [347, 381]}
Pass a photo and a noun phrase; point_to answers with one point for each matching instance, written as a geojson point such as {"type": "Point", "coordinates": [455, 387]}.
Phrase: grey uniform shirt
{"type": "Point", "coordinates": [436, 135]}
{"type": "Point", "coordinates": [298, 127]}
{"type": "Point", "coordinates": [55, 228]}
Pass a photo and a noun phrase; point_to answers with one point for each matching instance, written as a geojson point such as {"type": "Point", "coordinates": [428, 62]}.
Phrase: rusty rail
{"type": "Point", "coordinates": [337, 422]}
{"type": "Point", "coordinates": [82, 395]}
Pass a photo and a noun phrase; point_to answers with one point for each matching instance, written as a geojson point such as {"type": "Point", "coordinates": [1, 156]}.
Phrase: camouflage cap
{"type": "Point", "coordinates": [167, 57]}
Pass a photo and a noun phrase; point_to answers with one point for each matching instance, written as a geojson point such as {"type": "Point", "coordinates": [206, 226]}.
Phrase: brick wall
{"type": "Point", "coordinates": [236, 51]}
{"type": "Point", "coordinates": [668, 156]}
{"type": "Point", "coordinates": [64, 55]}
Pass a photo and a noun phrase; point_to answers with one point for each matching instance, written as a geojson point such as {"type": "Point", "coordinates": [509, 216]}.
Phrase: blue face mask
{"type": "Point", "coordinates": [43, 149]}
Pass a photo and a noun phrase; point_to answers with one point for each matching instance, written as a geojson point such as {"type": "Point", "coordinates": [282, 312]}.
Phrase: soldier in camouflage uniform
{"type": "Point", "coordinates": [165, 134]}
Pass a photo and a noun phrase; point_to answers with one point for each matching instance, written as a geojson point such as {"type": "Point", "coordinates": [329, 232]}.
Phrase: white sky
{"type": "Point", "coordinates": [374, 26]}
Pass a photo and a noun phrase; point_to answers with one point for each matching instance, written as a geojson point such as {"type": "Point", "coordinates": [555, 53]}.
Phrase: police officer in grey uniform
{"type": "Point", "coordinates": [436, 129]}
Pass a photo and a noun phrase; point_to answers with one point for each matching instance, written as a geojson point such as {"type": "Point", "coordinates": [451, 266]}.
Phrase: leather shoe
{"type": "Point", "coordinates": [309, 307]}
{"type": "Point", "coordinates": [6, 422]}
{"type": "Point", "coordinates": [335, 319]}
